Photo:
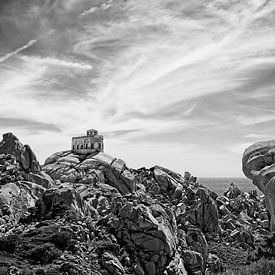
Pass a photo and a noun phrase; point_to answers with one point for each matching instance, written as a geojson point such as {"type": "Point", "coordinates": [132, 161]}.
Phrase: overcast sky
{"type": "Point", "coordinates": [184, 84]}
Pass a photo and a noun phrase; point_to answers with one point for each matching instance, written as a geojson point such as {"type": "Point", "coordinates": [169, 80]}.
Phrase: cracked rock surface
{"type": "Point", "coordinates": [91, 214]}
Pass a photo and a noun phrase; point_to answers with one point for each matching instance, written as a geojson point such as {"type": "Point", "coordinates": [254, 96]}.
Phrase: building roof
{"type": "Point", "coordinates": [92, 130]}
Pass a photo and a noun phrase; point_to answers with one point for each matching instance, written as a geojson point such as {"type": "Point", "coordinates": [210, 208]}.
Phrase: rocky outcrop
{"type": "Point", "coordinates": [149, 230]}
{"type": "Point", "coordinates": [259, 166]}
{"type": "Point", "coordinates": [22, 182]}
{"type": "Point", "coordinates": [57, 201]}
{"type": "Point", "coordinates": [117, 198]}
{"type": "Point", "coordinates": [205, 215]}
{"type": "Point", "coordinates": [233, 191]}
{"type": "Point", "coordinates": [68, 167]}
{"type": "Point", "coordinates": [16, 198]}
{"type": "Point", "coordinates": [169, 182]}
{"type": "Point", "coordinates": [18, 162]}
{"type": "Point", "coordinates": [91, 214]}
{"type": "Point", "coordinates": [23, 153]}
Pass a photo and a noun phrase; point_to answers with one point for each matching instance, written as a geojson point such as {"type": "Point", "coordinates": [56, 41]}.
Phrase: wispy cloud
{"type": "Point", "coordinates": [28, 124]}
{"type": "Point", "coordinates": [196, 74]}
{"type": "Point", "coordinates": [248, 120]}
{"type": "Point", "coordinates": [258, 136]}
{"type": "Point", "coordinates": [7, 56]}
{"type": "Point", "coordinates": [51, 61]}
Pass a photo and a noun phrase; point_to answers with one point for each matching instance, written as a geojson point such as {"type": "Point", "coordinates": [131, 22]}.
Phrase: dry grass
{"type": "Point", "coordinates": [261, 267]}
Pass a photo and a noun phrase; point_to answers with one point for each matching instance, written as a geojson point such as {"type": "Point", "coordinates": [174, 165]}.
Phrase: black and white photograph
{"type": "Point", "coordinates": [137, 137]}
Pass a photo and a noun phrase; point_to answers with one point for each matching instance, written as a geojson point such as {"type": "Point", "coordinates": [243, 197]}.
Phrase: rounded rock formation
{"type": "Point", "coordinates": [259, 165]}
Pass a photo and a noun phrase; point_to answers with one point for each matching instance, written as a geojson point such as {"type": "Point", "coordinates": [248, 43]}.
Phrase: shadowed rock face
{"type": "Point", "coordinates": [23, 153]}
{"type": "Point", "coordinates": [24, 157]}
{"type": "Point", "coordinates": [101, 217]}
{"type": "Point", "coordinates": [259, 166]}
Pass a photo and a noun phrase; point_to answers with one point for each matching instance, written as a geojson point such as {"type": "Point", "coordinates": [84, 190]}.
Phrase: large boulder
{"type": "Point", "coordinates": [169, 182]}
{"type": "Point", "coordinates": [176, 266]}
{"type": "Point", "coordinates": [61, 201]}
{"type": "Point", "coordinates": [150, 230]}
{"type": "Point", "coordinates": [69, 167]}
{"type": "Point", "coordinates": [23, 153]}
{"type": "Point", "coordinates": [259, 165]}
{"type": "Point", "coordinates": [233, 191]}
{"type": "Point", "coordinates": [205, 215]}
{"type": "Point", "coordinates": [124, 182]}
{"type": "Point", "coordinates": [193, 262]}
{"type": "Point", "coordinates": [166, 182]}
{"type": "Point", "coordinates": [18, 162]}
{"type": "Point", "coordinates": [17, 198]}
{"type": "Point", "coordinates": [112, 264]}
{"type": "Point", "coordinates": [197, 242]}
{"type": "Point", "coordinates": [54, 157]}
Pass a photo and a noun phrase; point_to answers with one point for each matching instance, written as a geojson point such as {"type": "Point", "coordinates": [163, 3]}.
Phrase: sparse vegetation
{"type": "Point", "coordinates": [261, 267]}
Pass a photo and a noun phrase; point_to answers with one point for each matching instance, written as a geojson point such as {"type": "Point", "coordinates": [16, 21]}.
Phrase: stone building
{"type": "Point", "coordinates": [92, 142]}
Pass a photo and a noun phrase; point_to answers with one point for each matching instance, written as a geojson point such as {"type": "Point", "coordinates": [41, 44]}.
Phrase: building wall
{"type": "Point", "coordinates": [87, 144]}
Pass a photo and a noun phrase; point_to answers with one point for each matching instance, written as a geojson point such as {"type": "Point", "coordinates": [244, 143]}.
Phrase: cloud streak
{"type": "Point", "coordinates": [161, 75]}
{"type": "Point", "coordinates": [9, 55]}
{"type": "Point", "coordinates": [30, 125]}
{"type": "Point", "coordinates": [51, 61]}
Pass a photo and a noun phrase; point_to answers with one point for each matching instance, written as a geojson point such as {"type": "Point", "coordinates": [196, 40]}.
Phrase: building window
{"type": "Point", "coordinates": [81, 146]}
{"type": "Point", "coordinates": [86, 146]}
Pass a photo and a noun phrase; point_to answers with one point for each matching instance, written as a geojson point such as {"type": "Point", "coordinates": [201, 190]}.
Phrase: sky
{"type": "Point", "coordinates": [183, 84]}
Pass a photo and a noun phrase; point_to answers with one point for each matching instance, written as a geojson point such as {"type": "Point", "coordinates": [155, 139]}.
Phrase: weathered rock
{"type": "Point", "coordinates": [69, 159]}
{"type": "Point", "coordinates": [139, 270]}
{"type": "Point", "coordinates": [67, 167]}
{"type": "Point", "coordinates": [232, 192]}
{"type": "Point", "coordinates": [34, 165]}
{"type": "Point", "coordinates": [19, 163]}
{"type": "Point", "coordinates": [148, 229]}
{"type": "Point", "coordinates": [23, 153]}
{"type": "Point", "coordinates": [193, 262]}
{"type": "Point", "coordinates": [259, 166]}
{"type": "Point", "coordinates": [196, 241]}
{"type": "Point", "coordinates": [56, 202]}
{"type": "Point", "coordinates": [42, 179]}
{"type": "Point", "coordinates": [104, 158]}
{"type": "Point", "coordinates": [89, 164]}
{"type": "Point", "coordinates": [54, 157]}
{"type": "Point", "coordinates": [150, 268]}
{"type": "Point", "coordinates": [17, 198]}
{"type": "Point", "coordinates": [206, 214]}
{"type": "Point", "coordinates": [165, 181]}
{"type": "Point", "coordinates": [125, 182]}
{"type": "Point", "coordinates": [214, 264]}
{"type": "Point", "coordinates": [112, 264]}
{"type": "Point", "coordinates": [62, 171]}
{"type": "Point", "coordinates": [119, 165]}
{"type": "Point", "coordinates": [224, 210]}
{"type": "Point", "coordinates": [187, 175]}
{"type": "Point", "coordinates": [102, 218]}
{"type": "Point", "coordinates": [176, 266]}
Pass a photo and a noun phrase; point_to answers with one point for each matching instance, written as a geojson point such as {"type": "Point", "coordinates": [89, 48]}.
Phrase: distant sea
{"type": "Point", "coordinates": [220, 185]}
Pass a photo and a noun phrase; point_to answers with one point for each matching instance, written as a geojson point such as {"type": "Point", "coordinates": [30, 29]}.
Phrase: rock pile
{"type": "Point", "coordinates": [91, 214]}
